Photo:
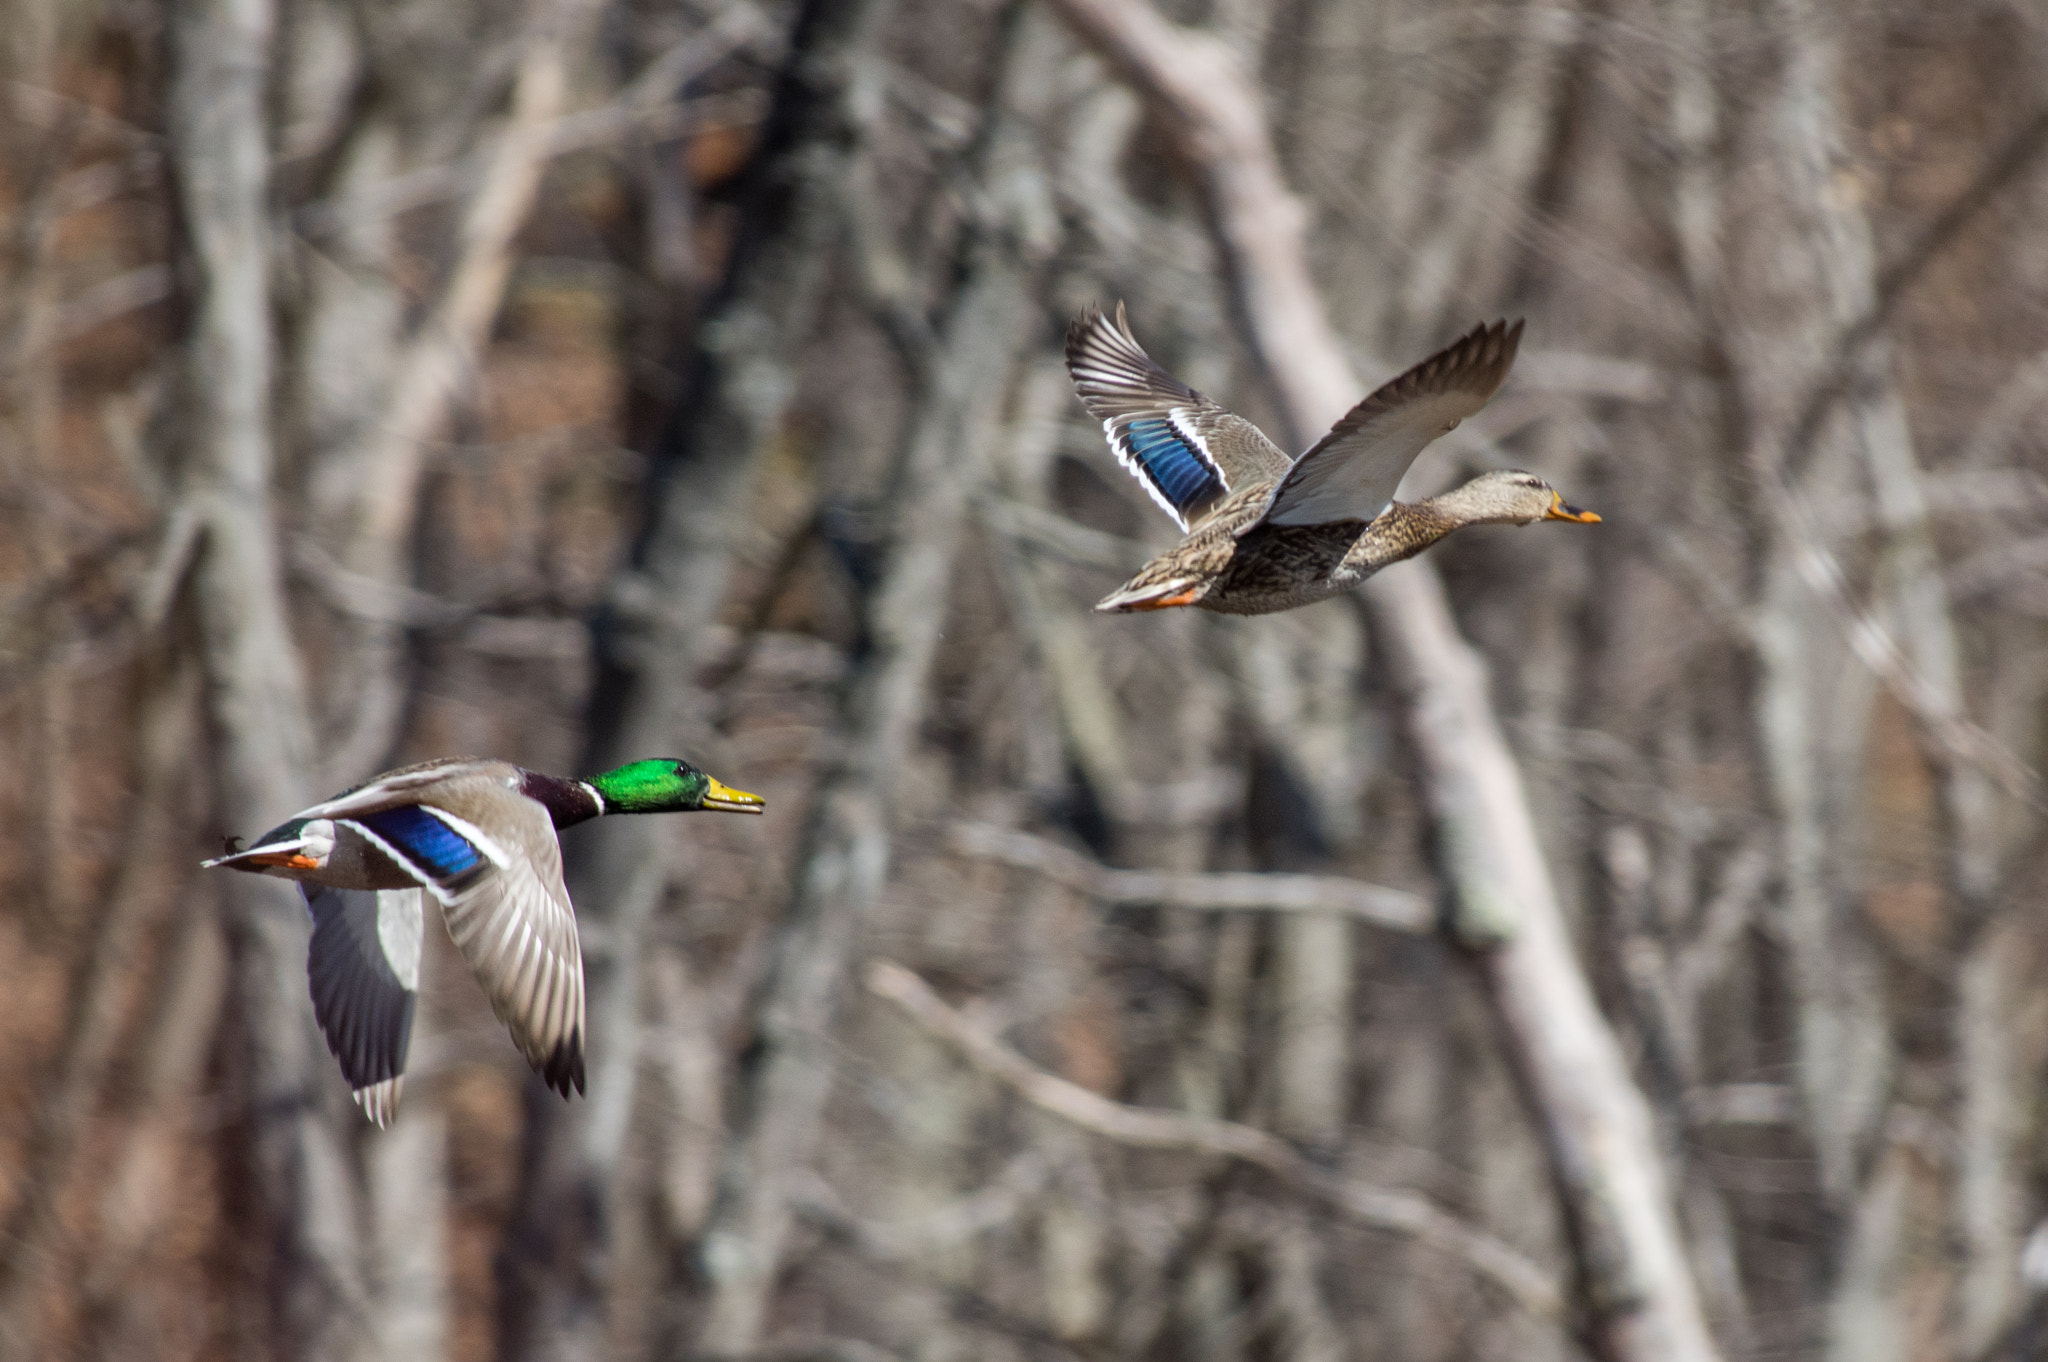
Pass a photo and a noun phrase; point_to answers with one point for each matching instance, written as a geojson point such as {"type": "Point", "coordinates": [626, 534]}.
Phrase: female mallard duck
{"type": "Point", "coordinates": [1267, 533]}
{"type": "Point", "coordinates": [479, 836]}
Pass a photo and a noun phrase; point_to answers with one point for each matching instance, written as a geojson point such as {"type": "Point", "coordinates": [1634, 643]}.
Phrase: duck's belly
{"type": "Point", "coordinates": [1279, 567]}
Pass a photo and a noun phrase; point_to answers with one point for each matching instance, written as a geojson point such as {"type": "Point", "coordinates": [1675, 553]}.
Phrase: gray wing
{"type": "Point", "coordinates": [1352, 472]}
{"type": "Point", "coordinates": [517, 930]}
{"type": "Point", "coordinates": [364, 967]}
{"type": "Point", "coordinates": [409, 784]}
{"type": "Point", "coordinates": [1185, 450]}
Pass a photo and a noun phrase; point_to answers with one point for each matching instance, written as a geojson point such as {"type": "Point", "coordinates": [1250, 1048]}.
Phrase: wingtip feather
{"type": "Point", "coordinates": [379, 1101]}
{"type": "Point", "coordinates": [1079, 329]}
{"type": "Point", "coordinates": [563, 1069]}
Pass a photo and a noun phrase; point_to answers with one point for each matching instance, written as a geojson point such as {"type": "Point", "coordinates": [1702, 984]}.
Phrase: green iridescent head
{"type": "Point", "coordinates": [669, 785]}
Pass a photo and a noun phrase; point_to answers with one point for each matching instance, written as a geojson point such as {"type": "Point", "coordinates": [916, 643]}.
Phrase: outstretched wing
{"type": "Point", "coordinates": [517, 930]}
{"type": "Point", "coordinates": [364, 967]}
{"type": "Point", "coordinates": [1351, 473]}
{"type": "Point", "coordinates": [502, 895]}
{"type": "Point", "coordinates": [1187, 451]}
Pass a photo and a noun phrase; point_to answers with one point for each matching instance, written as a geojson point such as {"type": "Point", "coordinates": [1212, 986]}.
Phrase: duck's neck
{"type": "Point", "coordinates": [568, 802]}
{"type": "Point", "coordinates": [1403, 530]}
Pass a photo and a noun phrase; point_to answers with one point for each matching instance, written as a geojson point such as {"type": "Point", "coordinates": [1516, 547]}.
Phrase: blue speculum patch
{"type": "Point", "coordinates": [1182, 476]}
{"type": "Point", "coordinates": [433, 846]}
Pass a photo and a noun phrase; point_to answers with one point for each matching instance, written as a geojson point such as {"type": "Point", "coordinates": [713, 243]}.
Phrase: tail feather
{"type": "Point", "coordinates": [264, 857]}
{"type": "Point", "coordinates": [273, 848]}
{"type": "Point", "coordinates": [1154, 595]}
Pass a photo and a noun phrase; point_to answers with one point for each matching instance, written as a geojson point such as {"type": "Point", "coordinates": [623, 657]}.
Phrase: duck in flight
{"type": "Point", "coordinates": [478, 837]}
{"type": "Point", "coordinates": [1265, 532]}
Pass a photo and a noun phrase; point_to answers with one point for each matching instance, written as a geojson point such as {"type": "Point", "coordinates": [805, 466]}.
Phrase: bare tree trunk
{"type": "Point", "coordinates": [845, 860]}
{"type": "Point", "coordinates": [408, 1195]}
{"type": "Point", "coordinates": [1917, 608]}
{"type": "Point", "coordinates": [95, 1014]}
{"type": "Point", "coordinates": [1298, 688]}
{"type": "Point", "coordinates": [656, 641]}
{"type": "Point", "coordinates": [182, 1025]}
{"type": "Point", "coordinates": [1994, 1047]}
{"type": "Point", "coordinates": [1597, 1124]}
{"type": "Point", "coordinates": [220, 68]}
{"type": "Point", "coordinates": [1602, 1143]}
{"type": "Point", "coordinates": [436, 365]}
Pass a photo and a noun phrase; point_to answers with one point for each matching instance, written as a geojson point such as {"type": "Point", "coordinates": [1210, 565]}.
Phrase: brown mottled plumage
{"type": "Point", "coordinates": [1265, 534]}
{"type": "Point", "coordinates": [1242, 563]}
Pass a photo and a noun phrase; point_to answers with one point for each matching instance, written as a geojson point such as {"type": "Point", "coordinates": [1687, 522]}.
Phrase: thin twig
{"type": "Point", "coordinates": [1874, 646]}
{"type": "Point", "coordinates": [1396, 909]}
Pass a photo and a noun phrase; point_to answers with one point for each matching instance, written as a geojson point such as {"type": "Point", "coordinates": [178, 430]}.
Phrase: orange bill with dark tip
{"type": "Point", "coordinates": [1560, 511]}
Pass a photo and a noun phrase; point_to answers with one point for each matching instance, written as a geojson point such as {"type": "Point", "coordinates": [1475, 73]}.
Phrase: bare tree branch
{"type": "Point", "coordinates": [1381, 1208]}
{"type": "Point", "coordinates": [1395, 909]}
{"type": "Point", "coordinates": [2013, 161]}
{"type": "Point", "coordinates": [441, 359]}
{"type": "Point", "coordinates": [729, 420]}
{"type": "Point", "coordinates": [846, 854]}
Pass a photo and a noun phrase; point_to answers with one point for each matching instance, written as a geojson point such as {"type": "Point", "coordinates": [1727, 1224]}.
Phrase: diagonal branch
{"type": "Point", "coordinates": [1382, 1208]}
{"type": "Point", "coordinates": [2018, 155]}
{"type": "Point", "coordinates": [1960, 739]}
{"type": "Point", "coordinates": [443, 356]}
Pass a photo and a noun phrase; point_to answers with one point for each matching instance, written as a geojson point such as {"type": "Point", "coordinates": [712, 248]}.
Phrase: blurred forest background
{"type": "Point", "coordinates": [574, 380]}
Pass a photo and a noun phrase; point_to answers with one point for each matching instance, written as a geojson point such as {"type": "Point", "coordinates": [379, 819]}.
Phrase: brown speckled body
{"type": "Point", "coordinates": [1266, 568]}
{"type": "Point", "coordinates": [1266, 533]}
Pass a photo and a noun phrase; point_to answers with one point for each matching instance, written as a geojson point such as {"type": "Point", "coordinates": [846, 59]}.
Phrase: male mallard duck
{"type": "Point", "coordinates": [1265, 532]}
{"type": "Point", "coordinates": [479, 836]}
